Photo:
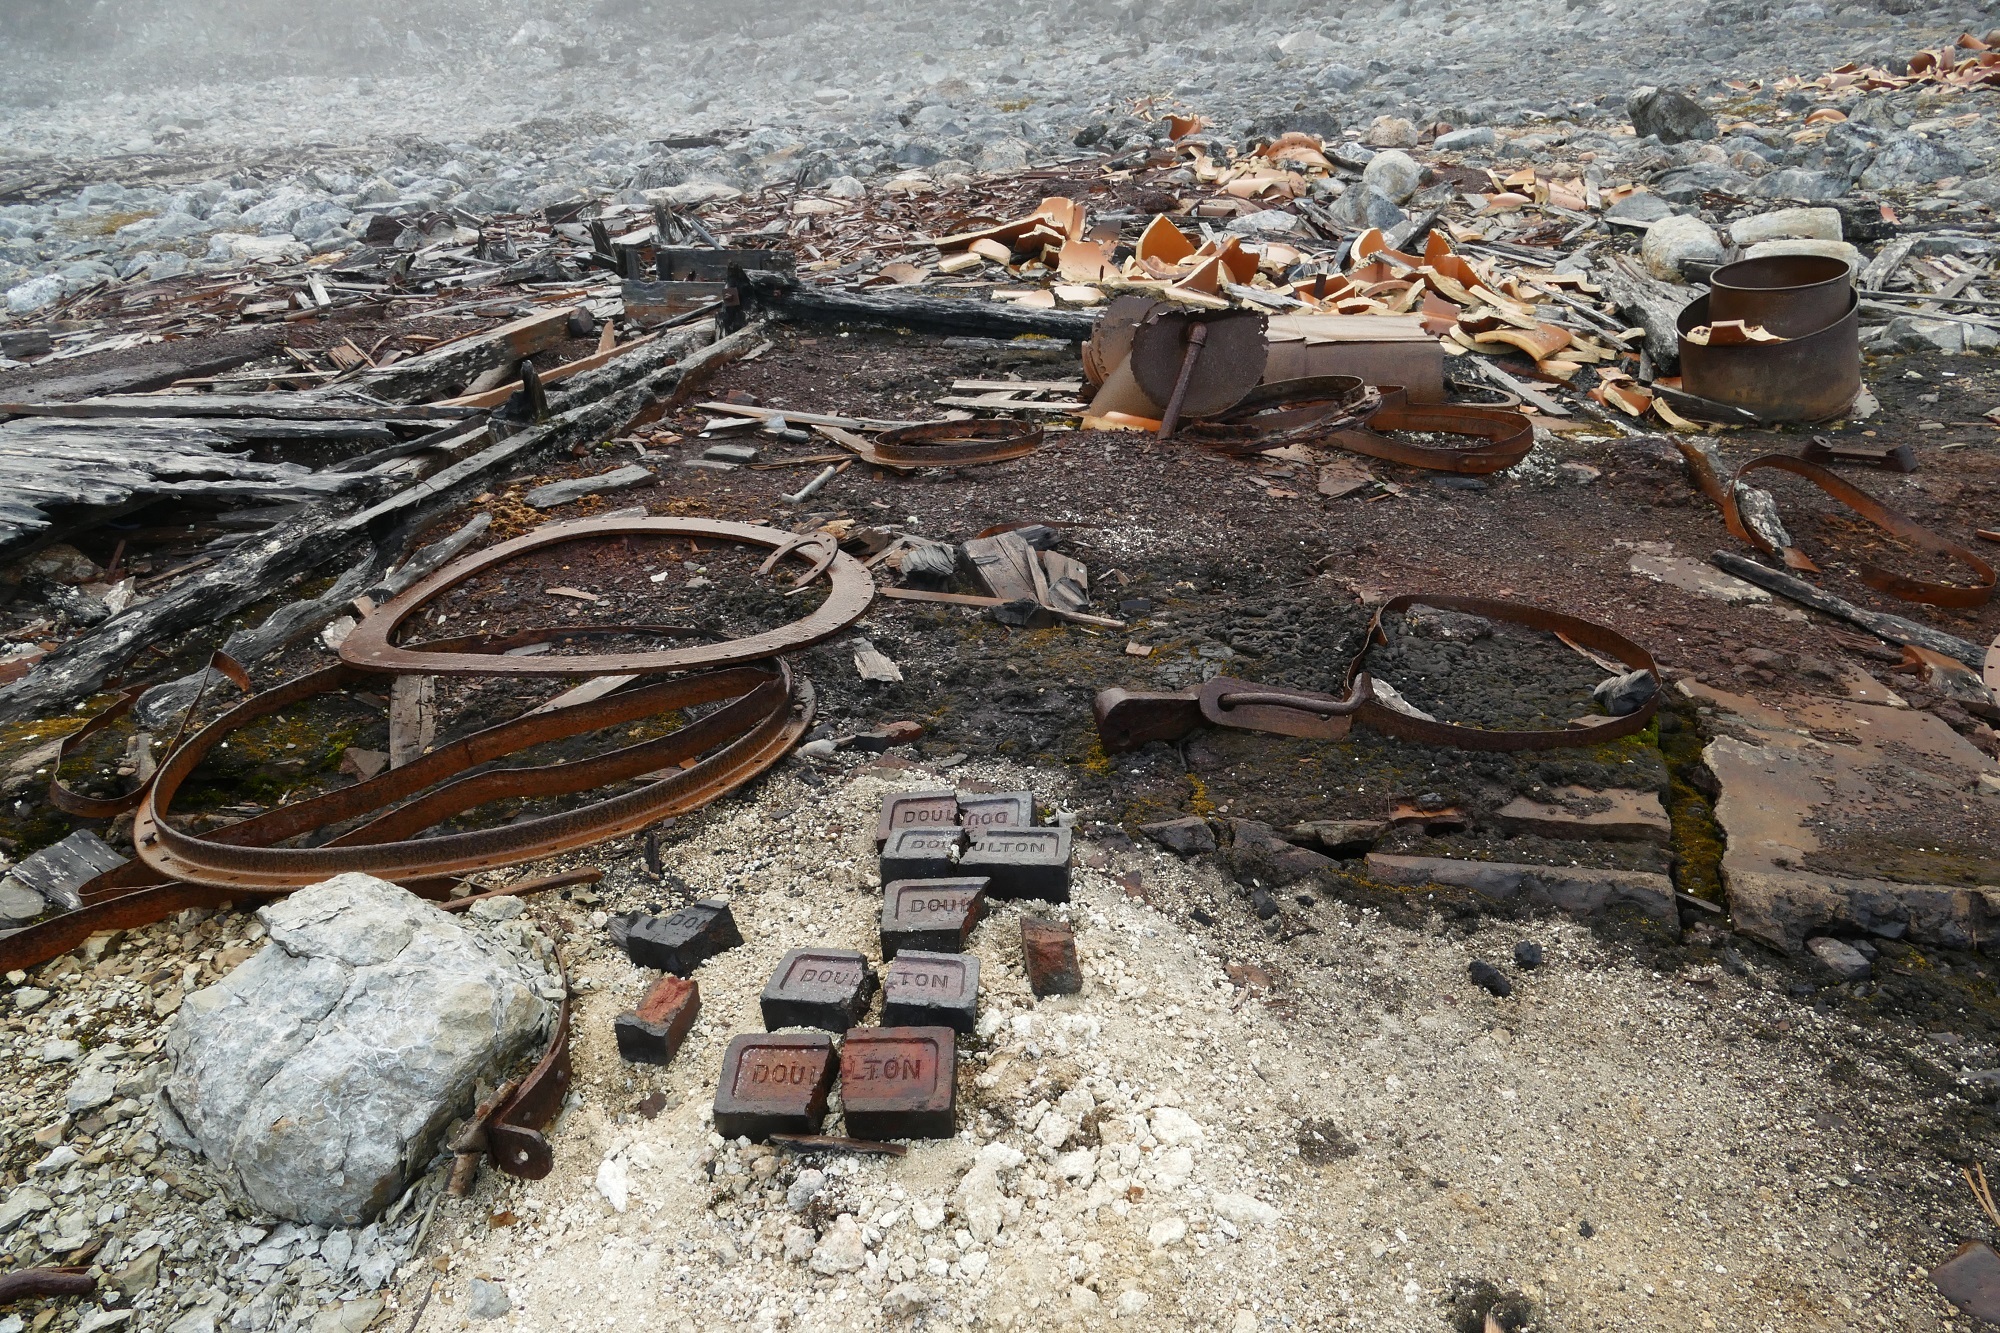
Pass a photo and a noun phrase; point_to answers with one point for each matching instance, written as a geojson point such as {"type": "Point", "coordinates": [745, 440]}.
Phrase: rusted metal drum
{"type": "Point", "coordinates": [1791, 295]}
{"type": "Point", "coordinates": [1806, 378]}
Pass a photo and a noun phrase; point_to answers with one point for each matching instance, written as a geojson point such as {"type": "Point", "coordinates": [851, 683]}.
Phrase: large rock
{"type": "Point", "coordinates": [1815, 187]}
{"type": "Point", "coordinates": [1821, 224]}
{"type": "Point", "coordinates": [318, 1077]}
{"type": "Point", "coordinates": [1364, 206]}
{"type": "Point", "coordinates": [1669, 116]}
{"type": "Point", "coordinates": [1674, 241]}
{"type": "Point", "coordinates": [1905, 159]}
{"type": "Point", "coordinates": [1391, 132]}
{"type": "Point", "coordinates": [1395, 173]}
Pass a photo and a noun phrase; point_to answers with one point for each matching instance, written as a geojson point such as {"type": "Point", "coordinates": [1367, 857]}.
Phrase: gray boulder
{"type": "Point", "coordinates": [1478, 136]}
{"type": "Point", "coordinates": [1668, 116]}
{"type": "Point", "coordinates": [1364, 206]}
{"type": "Point", "coordinates": [319, 1076]}
{"type": "Point", "coordinates": [1674, 241]}
{"type": "Point", "coordinates": [1395, 173]}
{"type": "Point", "coordinates": [1258, 855]}
{"type": "Point", "coordinates": [1814, 187]}
{"type": "Point", "coordinates": [1640, 207]}
{"type": "Point", "coordinates": [1905, 159]}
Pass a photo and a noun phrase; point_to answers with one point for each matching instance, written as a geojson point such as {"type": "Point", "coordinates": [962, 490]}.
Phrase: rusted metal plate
{"type": "Point", "coordinates": [1970, 1280]}
{"type": "Point", "coordinates": [514, 1141]}
{"type": "Point", "coordinates": [1509, 436]}
{"type": "Point", "coordinates": [372, 645]}
{"type": "Point", "coordinates": [1127, 720]}
{"type": "Point", "coordinates": [956, 443]}
{"type": "Point", "coordinates": [1229, 364]}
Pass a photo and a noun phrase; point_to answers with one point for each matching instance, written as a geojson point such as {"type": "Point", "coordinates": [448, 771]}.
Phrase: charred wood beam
{"type": "Point", "coordinates": [792, 301]}
{"type": "Point", "coordinates": [589, 407]}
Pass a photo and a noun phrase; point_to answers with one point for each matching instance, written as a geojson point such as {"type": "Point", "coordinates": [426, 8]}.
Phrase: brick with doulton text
{"type": "Point", "coordinates": [915, 809]}
{"type": "Point", "coordinates": [1021, 862]}
{"type": "Point", "coordinates": [818, 988]}
{"type": "Point", "coordinates": [933, 914]}
{"type": "Point", "coordinates": [680, 941]}
{"type": "Point", "coordinates": [921, 853]}
{"type": "Point", "coordinates": [923, 989]}
{"type": "Point", "coordinates": [899, 1083]}
{"type": "Point", "coordinates": [1000, 809]}
{"type": "Point", "coordinates": [774, 1083]}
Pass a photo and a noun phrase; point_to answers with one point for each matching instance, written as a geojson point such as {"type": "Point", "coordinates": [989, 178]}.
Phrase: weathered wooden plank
{"type": "Point", "coordinates": [448, 369]}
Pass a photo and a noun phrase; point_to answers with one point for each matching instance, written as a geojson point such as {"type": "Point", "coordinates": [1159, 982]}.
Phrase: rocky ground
{"type": "Point", "coordinates": [1274, 1105]}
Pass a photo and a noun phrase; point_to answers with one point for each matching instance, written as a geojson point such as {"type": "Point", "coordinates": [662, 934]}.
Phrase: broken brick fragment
{"type": "Point", "coordinates": [653, 1033]}
{"type": "Point", "coordinates": [1048, 953]}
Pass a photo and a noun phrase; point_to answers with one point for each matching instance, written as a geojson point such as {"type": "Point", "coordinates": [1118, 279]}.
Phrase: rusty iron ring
{"type": "Point", "coordinates": [851, 591]}
{"type": "Point", "coordinates": [956, 443]}
{"type": "Point", "coordinates": [68, 799]}
{"type": "Point", "coordinates": [1894, 522]}
{"type": "Point", "coordinates": [1128, 719]}
{"type": "Point", "coordinates": [1509, 436]}
{"type": "Point", "coordinates": [1588, 633]}
{"type": "Point", "coordinates": [1273, 415]}
{"type": "Point", "coordinates": [769, 710]}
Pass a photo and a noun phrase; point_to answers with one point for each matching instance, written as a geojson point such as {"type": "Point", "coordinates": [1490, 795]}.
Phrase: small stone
{"type": "Point", "coordinates": [1258, 856]}
{"type": "Point", "coordinates": [804, 1189]}
{"type": "Point", "coordinates": [1669, 116]}
{"type": "Point", "coordinates": [1488, 977]}
{"type": "Point", "coordinates": [1672, 242]}
{"type": "Point", "coordinates": [841, 1249]}
{"type": "Point", "coordinates": [1390, 132]}
{"type": "Point", "coordinates": [1841, 958]}
{"type": "Point", "coordinates": [1528, 955]}
{"type": "Point", "coordinates": [1264, 905]}
{"type": "Point", "coordinates": [486, 1300]}
{"type": "Point", "coordinates": [1476, 136]}
{"type": "Point", "coordinates": [1131, 1304]}
{"type": "Point", "coordinates": [30, 998]}
{"type": "Point", "coordinates": [361, 764]}
{"type": "Point", "coordinates": [1640, 207]}
{"type": "Point", "coordinates": [1395, 173]}
{"type": "Point", "coordinates": [1243, 1210]}
{"type": "Point", "coordinates": [614, 1182]}
{"type": "Point", "coordinates": [1167, 1231]}
{"type": "Point", "coordinates": [1624, 695]}
{"type": "Point", "coordinates": [23, 1201]}
{"type": "Point", "coordinates": [1183, 837]}
{"type": "Point", "coordinates": [90, 1089]}
{"type": "Point", "coordinates": [905, 1299]}
{"type": "Point", "coordinates": [1365, 206]}
{"type": "Point", "coordinates": [799, 1243]}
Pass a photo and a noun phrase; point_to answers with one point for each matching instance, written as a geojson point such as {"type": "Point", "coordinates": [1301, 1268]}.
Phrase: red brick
{"type": "Point", "coordinates": [1048, 953]}
{"type": "Point", "coordinates": [1002, 809]}
{"type": "Point", "coordinates": [900, 1083]}
{"type": "Point", "coordinates": [652, 1033]}
{"type": "Point", "coordinates": [774, 1083]}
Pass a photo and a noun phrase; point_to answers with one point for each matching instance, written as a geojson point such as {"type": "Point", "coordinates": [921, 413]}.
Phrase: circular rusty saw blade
{"type": "Point", "coordinates": [1111, 340]}
{"type": "Point", "coordinates": [1229, 367]}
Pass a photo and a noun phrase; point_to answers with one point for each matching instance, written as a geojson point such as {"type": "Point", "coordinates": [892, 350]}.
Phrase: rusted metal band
{"type": "Point", "coordinates": [1600, 638]}
{"type": "Point", "coordinates": [770, 710]}
{"type": "Point", "coordinates": [851, 590]}
{"type": "Point", "coordinates": [1509, 436]}
{"type": "Point", "coordinates": [1128, 719]}
{"type": "Point", "coordinates": [1290, 411]}
{"type": "Point", "coordinates": [1894, 522]}
{"type": "Point", "coordinates": [110, 807]}
{"type": "Point", "coordinates": [514, 1142]}
{"type": "Point", "coordinates": [956, 443]}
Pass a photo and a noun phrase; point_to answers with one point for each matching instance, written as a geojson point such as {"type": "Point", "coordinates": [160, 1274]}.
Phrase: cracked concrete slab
{"type": "Point", "coordinates": [1784, 776]}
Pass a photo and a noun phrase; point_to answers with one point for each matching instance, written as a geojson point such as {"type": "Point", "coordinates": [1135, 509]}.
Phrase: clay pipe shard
{"type": "Point", "coordinates": [1197, 339]}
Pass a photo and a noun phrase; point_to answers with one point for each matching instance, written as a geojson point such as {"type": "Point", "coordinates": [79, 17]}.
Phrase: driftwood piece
{"type": "Point", "coordinates": [50, 465]}
{"type": "Point", "coordinates": [593, 405]}
{"type": "Point", "coordinates": [301, 406]}
{"type": "Point", "coordinates": [412, 718]}
{"type": "Point", "coordinates": [448, 369]}
{"type": "Point", "coordinates": [937, 314]}
{"type": "Point", "coordinates": [1895, 629]}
